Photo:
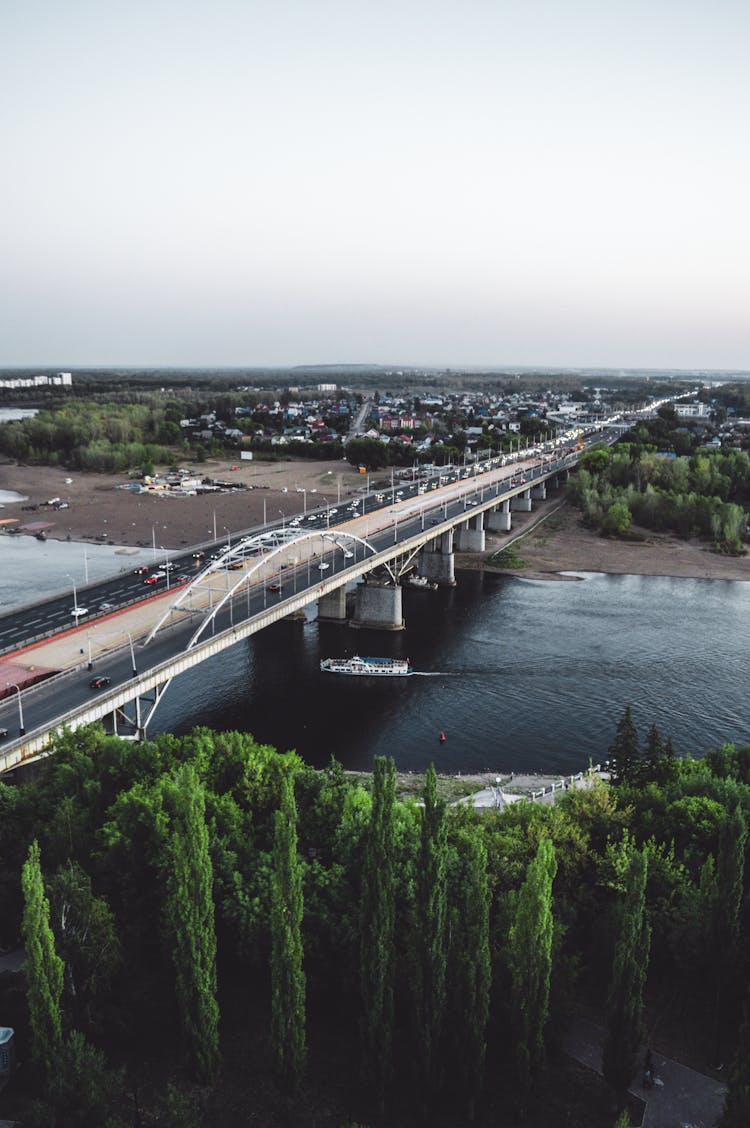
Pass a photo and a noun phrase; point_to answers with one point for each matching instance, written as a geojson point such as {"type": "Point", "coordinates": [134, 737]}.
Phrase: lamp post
{"type": "Point", "coordinates": [88, 640]}
{"type": "Point", "coordinates": [132, 654]}
{"type": "Point", "coordinates": [21, 729]}
{"type": "Point", "coordinates": [215, 536]}
{"type": "Point", "coordinates": [85, 566]}
{"type": "Point", "coordinates": [283, 519]}
{"type": "Point", "coordinates": [497, 791]}
{"type": "Point", "coordinates": [229, 536]}
{"type": "Point", "coordinates": [75, 593]}
{"type": "Point", "coordinates": [153, 541]}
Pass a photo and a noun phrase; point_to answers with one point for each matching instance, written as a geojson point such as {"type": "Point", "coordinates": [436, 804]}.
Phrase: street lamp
{"type": "Point", "coordinates": [282, 514]}
{"type": "Point", "coordinates": [75, 594]}
{"type": "Point", "coordinates": [21, 729]}
{"type": "Point", "coordinates": [229, 536]}
{"type": "Point", "coordinates": [497, 791]}
{"type": "Point", "coordinates": [88, 640]}
{"type": "Point", "coordinates": [132, 654]}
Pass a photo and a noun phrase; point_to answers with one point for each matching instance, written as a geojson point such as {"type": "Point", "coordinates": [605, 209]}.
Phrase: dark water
{"type": "Point", "coordinates": [518, 674]}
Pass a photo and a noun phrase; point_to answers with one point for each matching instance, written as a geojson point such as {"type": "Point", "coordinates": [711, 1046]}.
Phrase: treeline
{"type": "Point", "coordinates": [703, 495]}
{"type": "Point", "coordinates": [208, 905]}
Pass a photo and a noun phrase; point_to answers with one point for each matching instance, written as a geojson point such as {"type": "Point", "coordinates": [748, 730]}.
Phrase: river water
{"type": "Point", "coordinates": [519, 674]}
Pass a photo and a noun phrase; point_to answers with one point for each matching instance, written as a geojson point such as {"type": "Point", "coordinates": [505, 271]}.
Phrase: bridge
{"type": "Point", "coordinates": [267, 576]}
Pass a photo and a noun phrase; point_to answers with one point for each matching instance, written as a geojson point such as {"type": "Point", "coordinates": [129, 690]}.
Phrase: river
{"type": "Point", "coordinates": [519, 674]}
{"type": "Point", "coordinates": [522, 675]}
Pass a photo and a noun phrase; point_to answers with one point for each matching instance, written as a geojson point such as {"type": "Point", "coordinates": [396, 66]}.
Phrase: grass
{"type": "Point", "coordinates": [507, 558]}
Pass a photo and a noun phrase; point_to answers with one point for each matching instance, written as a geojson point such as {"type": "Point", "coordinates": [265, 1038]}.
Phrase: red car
{"type": "Point", "coordinates": [274, 587]}
{"type": "Point", "coordinates": [142, 570]}
{"type": "Point", "coordinates": [151, 580]}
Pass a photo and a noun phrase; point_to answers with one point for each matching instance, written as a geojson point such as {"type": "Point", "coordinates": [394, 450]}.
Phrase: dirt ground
{"type": "Point", "coordinates": [101, 512]}
{"type": "Point", "coordinates": [559, 543]}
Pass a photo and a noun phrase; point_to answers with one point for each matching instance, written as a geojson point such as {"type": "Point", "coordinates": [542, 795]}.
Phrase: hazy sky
{"type": "Point", "coordinates": [454, 182]}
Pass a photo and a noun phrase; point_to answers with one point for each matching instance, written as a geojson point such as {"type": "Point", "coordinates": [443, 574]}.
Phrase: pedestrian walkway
{"type": "Point", "coordinates": [680, 1098]}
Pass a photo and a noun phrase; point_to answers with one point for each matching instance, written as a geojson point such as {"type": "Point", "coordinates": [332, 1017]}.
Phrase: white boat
{"type": "Point", "coordinates": [367, 667]}
{"type": "Point", "coordinates": [420, 582]}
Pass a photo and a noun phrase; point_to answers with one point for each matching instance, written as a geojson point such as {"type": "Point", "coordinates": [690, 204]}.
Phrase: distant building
{"type": "Point", "coordinates": [327, 387]}
{"type": "Point", "coordinates": [60, 379]}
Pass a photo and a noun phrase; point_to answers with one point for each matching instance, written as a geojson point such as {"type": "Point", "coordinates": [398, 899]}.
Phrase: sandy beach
{"type": "Point", "coordinates": [100, 512]}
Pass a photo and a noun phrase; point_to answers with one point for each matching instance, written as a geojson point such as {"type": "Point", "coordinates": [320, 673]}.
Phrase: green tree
{"type": "Point", "coordinates": [624, 753]}
{"type": "Point", "coordinates": [190, 918]}
{"type": "Point", "coordinates": [530, 957]}
{"type": "Point", "coordinates": [44, 968]}
{"type": "Point", "coordinates": [629, 967]}
{"type": "Point", "coordinates": [736, 1112]}
{"type": "Point", "coordinates": [616, 521]}
{"type": "Point", "coordinates": [287, 975]}
{"type": "Point", "coordinates": [429, 939]}
{"type": "Point", "coordinates": [470, 965]}
{"type": "Point", "coordinates": [377, 930]}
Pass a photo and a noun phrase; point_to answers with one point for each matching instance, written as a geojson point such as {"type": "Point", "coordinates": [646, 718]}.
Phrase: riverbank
{"type": "Point", "coordinates": [100, 513]}
{"type": "Point", "coordinates": [559, 543]}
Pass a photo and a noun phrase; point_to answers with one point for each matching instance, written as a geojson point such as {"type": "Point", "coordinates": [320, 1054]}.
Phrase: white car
{"type": "Point", "coordinates": [78, 611]}
{"type": "Point", "coordinates": [323, 567]}
{"type": "Point", "coordinates": [347, 554]}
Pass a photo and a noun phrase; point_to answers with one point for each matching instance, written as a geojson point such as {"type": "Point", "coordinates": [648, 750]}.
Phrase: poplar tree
{"type": "Point", "coordinates": [190, 916]}
{"type": "Point", "coordinates": [530, 951]}
{"type": "Point", "coordinates": [629, 967]}
{"type": "Point", "coordinates": [377, 933]}
{"type": "Point", "coordinates": [44, 968]}
{"type": "Point", "coordinates": [287, 977]}
{"type": "Point", "coordinates": [471, 966]}
{"type": "Point", "coordinates": [429, 938]}
{"type": "Point", "coordinates": [736, 1112]}
{"type": "Point", "coordinates": [730, 874]}
{"type": "Point", "coordinates": [624, 753]}
{"type": "Point", "coordinates": [654, 753]}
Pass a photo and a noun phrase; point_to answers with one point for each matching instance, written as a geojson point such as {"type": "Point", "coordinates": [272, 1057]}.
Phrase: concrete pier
{"type": "Point", "coordinates": [539, 491]}
{"type": "Point", "coordinates": [332, 607]}
{"type": "Point", "coordinates": [470, 536]}
{"type": "Point", "coordinates": [437, 562]}
{"type": "Point", "coordinates": [522, 502]}
{"type": "Point", "coordinates": [499, 520]}
{"type": "Point", "coordinates": [379, 606]}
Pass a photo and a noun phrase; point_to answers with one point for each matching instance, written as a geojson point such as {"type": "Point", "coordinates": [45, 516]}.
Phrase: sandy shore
{"type": "Point", "coordinates": [98, 512]}
{"type": "Point", "coordinates": [560, 543]}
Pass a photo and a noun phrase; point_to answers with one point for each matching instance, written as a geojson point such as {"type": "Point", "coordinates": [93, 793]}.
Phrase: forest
{"type": "Point", "coordinates": [217, 934]}
{"type": "Point", "coordinates": [698, 493]}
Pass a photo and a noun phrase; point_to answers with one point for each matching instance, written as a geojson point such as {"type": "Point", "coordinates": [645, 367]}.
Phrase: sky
{"type": "Point", "coordinates": [447, 182]}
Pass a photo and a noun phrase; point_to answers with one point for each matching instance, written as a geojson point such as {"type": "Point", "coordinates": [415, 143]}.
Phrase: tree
{"type": "Point", "coordinates": [44, 968]}
{"type": "Point", "coordinates": [629, 967]}
{"type": "Point", "coordinates": [377, 929]}
{"type": "Point", "coordinates": [471, 965]}
{"type": "Point", "coordinates": [737, 1104]}
{"type": "Point", "coordinates": [530, 954]}
{"type": "Point", "coordinates": [653, 753]}
{"type": "Point", "coordinates": [429, 939]}
{"type": "Point", "coordinates": [616, 521]}
{"type": "Point", "coordinates": [190, 917]}
{"type": "Point", "coordinates": [623, 753]}
{"type": "Point", "coordinates": [287, 976]}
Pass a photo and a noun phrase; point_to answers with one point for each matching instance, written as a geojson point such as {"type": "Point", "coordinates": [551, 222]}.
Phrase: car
{"type": "Point", "coordinates": [347, 554]}
{"type": "Point", "coordinates": [274, 587]}
{"type": "Point", "coordinates": [3, 733]}
{"type": "Point", "coordinates": [151, 580]}
{"type": "Point", "coordinates": [100, 683]}
{"type": "Point", "coordinates": [78, 611]}
{"type": "Point", "coordinates": [198, 555]}
{"type": "Point", "coordinates": [106, 606]}
{"type": "Point", "coordinates": [168, 565]}
{"type": "Point", "coordinates": [142, 570]}
{"type": "Point", "coordinates": [323, 567]}
{"type": "Point", "coordinates": [182, 579]}
{"type": "Point", "coordinates": [159, 575]}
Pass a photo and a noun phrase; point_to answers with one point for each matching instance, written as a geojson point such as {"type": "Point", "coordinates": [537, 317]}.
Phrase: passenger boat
{"type": "Point", "coordinates": [367, 667]}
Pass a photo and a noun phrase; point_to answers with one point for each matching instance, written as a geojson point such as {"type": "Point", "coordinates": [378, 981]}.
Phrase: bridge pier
{"type": "Point", "coordinates": [522, 502]}
{"type": "Point", "coordinates": [379, 606]}
{"type": "Point", "coordinates": [470, 536]}
{"type": "Point", "coordinates": [437, 562]}
{"type": "Point", "coordinates": [332, 607]}
{"type": "Point", "coordinates": [539, 491]}
{"type": "Point", "coordinates": [499, 520]}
